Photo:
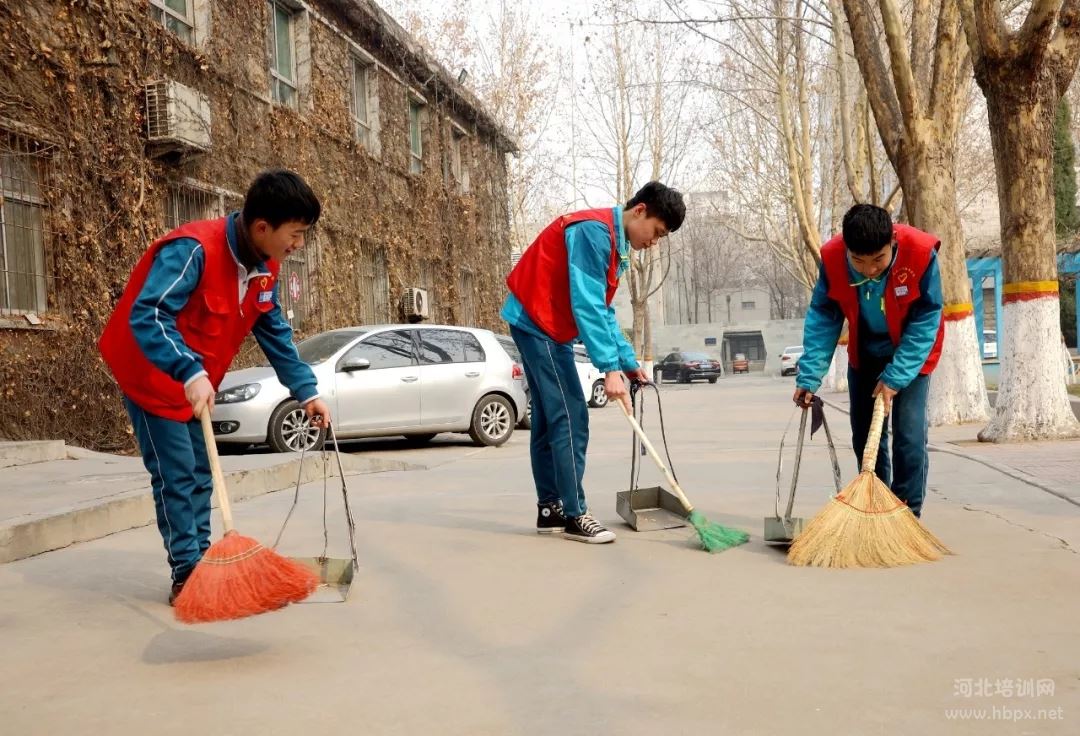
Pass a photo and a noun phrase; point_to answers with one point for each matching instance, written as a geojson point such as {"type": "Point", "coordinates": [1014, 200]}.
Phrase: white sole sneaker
{"type": "Point", "coordinates": [603, 537]}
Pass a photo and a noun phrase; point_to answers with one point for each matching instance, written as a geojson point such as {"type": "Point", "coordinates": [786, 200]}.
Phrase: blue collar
{"type": "Point", "coordinates": [621, 243]}
{"type": "Point", "coordinates": [230, 234]}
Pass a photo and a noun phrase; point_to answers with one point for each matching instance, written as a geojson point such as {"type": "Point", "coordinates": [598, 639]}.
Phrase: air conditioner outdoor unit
{"type": "Point", "coordinates": [177, 117]}
{"type": "Point", "coordinates": [415, 304]}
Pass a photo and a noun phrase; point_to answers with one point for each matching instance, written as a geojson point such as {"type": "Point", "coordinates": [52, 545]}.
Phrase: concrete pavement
{"type": "Point", "coordinates": [464, 621]}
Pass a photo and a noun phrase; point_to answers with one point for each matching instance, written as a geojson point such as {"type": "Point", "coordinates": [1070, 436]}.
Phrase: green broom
{"type": "Point", "coordinates": [714, 537]}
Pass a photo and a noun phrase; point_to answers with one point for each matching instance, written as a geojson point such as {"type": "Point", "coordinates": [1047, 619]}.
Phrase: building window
{"type": "Point", "coordinates": [361, 102]}
{"type": "Point", "coordinates": [23, 265]}
{"type": "Point", "coordinates": [187, 204]}
{"type": "Point", "coordinates": [177, 16]}
{"type": "Point", "coordinates": [467, 295]}
{"type": "Point", "coordinates": [374, 286]}
{"type": "Point", "coordinates": [416, 149]}
{"type": "Point", "coordinates": [282, 45]}
{"type": "Point", "coordinates": [458, 166]}
{"type": "Point", "coordinates": [749, 305]}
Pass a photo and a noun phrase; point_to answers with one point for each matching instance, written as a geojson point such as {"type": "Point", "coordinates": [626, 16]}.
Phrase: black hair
{"type": "Point", "coordinates": [867, 229]}
{"type": "Point", "coordinates": [661, 201]}
{"type": "Point", "coordinates": [279, 196]}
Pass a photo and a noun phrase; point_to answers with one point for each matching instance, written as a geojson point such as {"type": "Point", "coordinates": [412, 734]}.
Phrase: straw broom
{"type": "Point", "coordinates": [865, 525]}
{"type": "Point", "coordinates": [237, 576]}
{"type": "Point", "coordinates": [713, 537]}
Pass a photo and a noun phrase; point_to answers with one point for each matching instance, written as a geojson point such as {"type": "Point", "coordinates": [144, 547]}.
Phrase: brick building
{"type": "Point", "coordinates": [121, 118]}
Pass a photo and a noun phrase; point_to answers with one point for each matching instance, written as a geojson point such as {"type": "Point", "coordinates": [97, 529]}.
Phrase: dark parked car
{"type": "Point", "coordinates": [687, 367]}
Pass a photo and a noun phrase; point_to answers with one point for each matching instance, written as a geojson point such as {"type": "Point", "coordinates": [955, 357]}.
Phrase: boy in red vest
{"type": "Point", "coordinates": [884, 280]}
{"type": "Point", "coordinates": [191, 300]}
{"type": "Point", "coordinates": [561, 290]}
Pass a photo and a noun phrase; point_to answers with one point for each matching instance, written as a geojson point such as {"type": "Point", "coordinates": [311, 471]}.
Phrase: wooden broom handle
{"type": "Point", "coordinates": [655, 457]}
{"type": "Point", "coordinates": [877, 422]}
{"type": "Point", "coordinates": [215, 471]}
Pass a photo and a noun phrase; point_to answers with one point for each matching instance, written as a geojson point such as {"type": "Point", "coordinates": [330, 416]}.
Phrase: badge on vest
{"type": "Point", "coordinates": [901, 290]}
{"type": "Point", "coordinates": [266, 297]}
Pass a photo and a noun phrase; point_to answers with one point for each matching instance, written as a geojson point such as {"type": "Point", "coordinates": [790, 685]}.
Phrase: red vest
{"type": "Point", "coordinates": [213, 323]}
{"type": "Point", "coordinates": [541, 279]}
{"type": "Point", "coordinates": [913, 251]}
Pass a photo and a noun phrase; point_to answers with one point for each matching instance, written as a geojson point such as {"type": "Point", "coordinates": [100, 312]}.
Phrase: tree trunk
{"type": "Point", "coordinates": [646, 339]}
{"type": "Point", "coordinates": [639, 308]}
{"type": "Point", "coordinates": [840, 358]}
{"type": "Point", "coordinates": [957, 386]}
{"type": "Point", "coordinates": [1032, 402]}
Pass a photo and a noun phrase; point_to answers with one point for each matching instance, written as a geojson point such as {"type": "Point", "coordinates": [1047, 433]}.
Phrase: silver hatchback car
{"type": "Point", "coordinates": [411, 380]}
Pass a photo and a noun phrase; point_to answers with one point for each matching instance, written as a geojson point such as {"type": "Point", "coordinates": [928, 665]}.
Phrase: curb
{"type": "Point", "coordinates": [1052, 488]}
{"type": "Point", "coordinates": [34, 534]}
{"type": "Point", "coordinates": [32, 451]}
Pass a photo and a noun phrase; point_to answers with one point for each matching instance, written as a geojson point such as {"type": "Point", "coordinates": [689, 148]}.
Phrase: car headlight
{"type": "Point", "coordinates": [236, 394]}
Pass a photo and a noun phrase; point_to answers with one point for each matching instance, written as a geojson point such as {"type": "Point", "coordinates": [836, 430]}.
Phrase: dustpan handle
{"type": "Point", "coordinates": [877, 423]}
{"type": "Point", "coordinates": [215, 471]}
{"type": "Point", "coordinates": [345, 498]}
{"type": "Point", "coordinates": [656, 457]}
{"type": "Point", "coordinates": [798, 461]}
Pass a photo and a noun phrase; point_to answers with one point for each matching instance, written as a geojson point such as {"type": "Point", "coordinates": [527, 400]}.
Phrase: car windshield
{"type": "Point", "coordinates": [696, 356]}
{"type": "Point", "coordinates": [319, 348]}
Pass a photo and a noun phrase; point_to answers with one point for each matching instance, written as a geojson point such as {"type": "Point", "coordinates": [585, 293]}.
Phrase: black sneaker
{"type": "Point", "coordinates": [550, 518]}
{"type": "Point", "coordinates": [175, 592]}
{"type": "Point", "coordinates": [586, 529]}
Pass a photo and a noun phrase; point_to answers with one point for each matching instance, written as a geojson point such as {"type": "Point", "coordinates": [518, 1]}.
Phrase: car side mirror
{"type": "Point", "coordinates": [355, 364]}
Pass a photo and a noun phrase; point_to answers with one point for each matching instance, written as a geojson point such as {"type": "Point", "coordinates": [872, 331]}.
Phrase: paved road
{"type": "Point", "coordinates": [464, 621]}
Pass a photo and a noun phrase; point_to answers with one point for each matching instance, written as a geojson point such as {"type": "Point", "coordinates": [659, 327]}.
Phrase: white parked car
{"type": "Point", "coordinates": [789, 360]}
{"type": "Point", "coordinates": [411, 380]}
{"type": "Point", "coordinates": [592, 380]}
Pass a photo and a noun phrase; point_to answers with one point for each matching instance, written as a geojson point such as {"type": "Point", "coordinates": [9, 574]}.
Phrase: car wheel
{"type": "Point", "coordinates": [419, 439]}
{"type": "Point", "coordinates": [598, 399]}
{"type": "Point", "coordinates": [712, 380]}
{"type": "Point", "coordinates": [492, 421]}
{"type": "Point", "coordinates": [289, 431]}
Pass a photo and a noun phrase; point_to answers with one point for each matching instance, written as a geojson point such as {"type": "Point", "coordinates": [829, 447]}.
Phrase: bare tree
{"type": "Point", "coordinates": [918, 98]}
{"type": "Point", "coordinates": [784, 129]}
{"type": "Point", "coordinates": [640, 119]}
{"type": "Point", "coordinates": [1023, 73]}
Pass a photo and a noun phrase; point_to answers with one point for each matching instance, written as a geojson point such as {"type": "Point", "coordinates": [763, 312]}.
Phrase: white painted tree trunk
{"type": "Point", "coordinates": [1032, 402]}
{"type": "Point", "coordinates": [840, 385]}
{"type": "Point", "coordinates": [828, 381]}
{"type": "Point", "coordinates": [958, 393]}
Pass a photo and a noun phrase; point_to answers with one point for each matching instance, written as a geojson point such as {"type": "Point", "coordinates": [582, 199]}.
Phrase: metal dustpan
{"type": "Point", "coordinates": [335, 577]}
{"type": "Point", "coordinates": [648, 509]}
{"type": "Point", "coordinates": [784, 529]}
{"type": "Point", "coordinates": [335, 573]}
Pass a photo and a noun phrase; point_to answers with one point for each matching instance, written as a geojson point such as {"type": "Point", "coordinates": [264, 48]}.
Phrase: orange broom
{"type": "Point", "coordinates": [237, 576]}
{"type": "Point", "coordinates": [865, 525]}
